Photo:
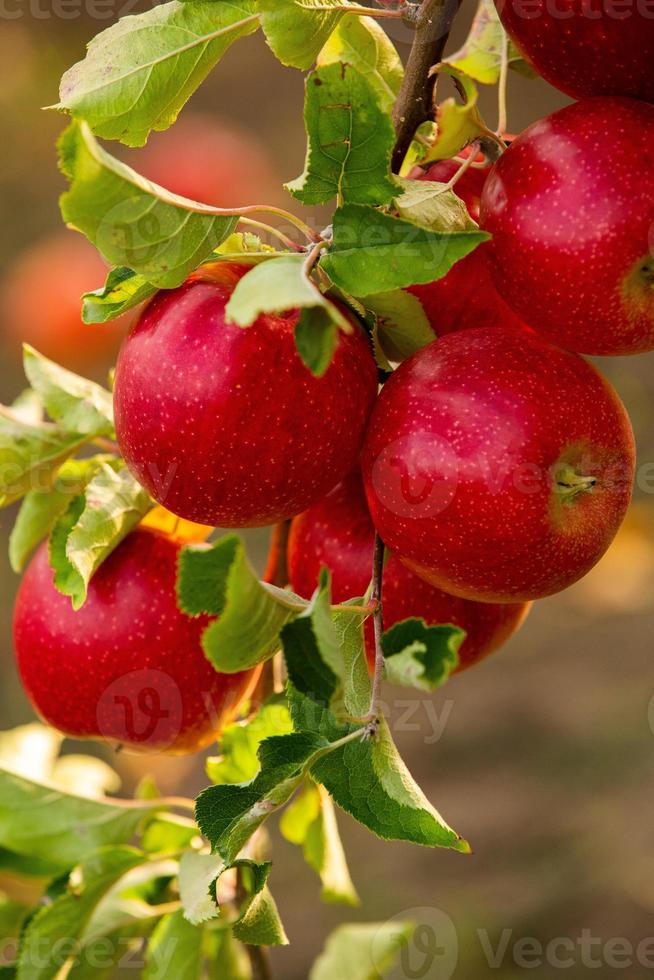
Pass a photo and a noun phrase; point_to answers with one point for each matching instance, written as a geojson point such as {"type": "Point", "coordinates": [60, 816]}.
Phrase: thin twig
{"type": "Point", "coordinates": [502, 121]}
{"type": "Point", "coordinates": [378, 621]}
{"type": "Point", "coordinates": [275, 232]}
{"type": "Point", "coordinates": [415, 102]}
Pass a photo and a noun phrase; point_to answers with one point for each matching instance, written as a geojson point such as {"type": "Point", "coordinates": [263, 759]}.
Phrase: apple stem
{"type": "Point", "coordinates": [503, 85]}
{"type": "Point", "coordinates": [569, 483]}
{"type": "Point", "coordinates": [432, 22]}
{"type": "Point", "coordinates": [275, 232]}
{"type": "Point", "coordinates": [378, 623]}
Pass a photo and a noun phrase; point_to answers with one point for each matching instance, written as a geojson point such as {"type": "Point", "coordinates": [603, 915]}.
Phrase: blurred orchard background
{"type": "Point", "coordinates": [542, 756]}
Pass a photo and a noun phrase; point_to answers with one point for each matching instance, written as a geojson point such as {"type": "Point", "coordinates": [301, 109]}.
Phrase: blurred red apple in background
{"type": "Point", "coordinates": [41, 302]}
{"type": "Point", "coordinates": [338, 533]}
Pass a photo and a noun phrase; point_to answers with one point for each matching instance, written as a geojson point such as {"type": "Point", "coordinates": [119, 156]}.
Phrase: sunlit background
{"type": "Point", "coordinates": [541, 757]}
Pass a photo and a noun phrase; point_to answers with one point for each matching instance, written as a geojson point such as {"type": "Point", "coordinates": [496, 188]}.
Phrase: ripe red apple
{"type": "Point", "coordinates": [128, 667]}
{"type": "Point", "coordinates": [466, 296]}
{"type": "Point", "coordinates": [498, 467]}
{"type": "Point", "coordinates": [209, 160]}
{"type": "Point", "coordinates": [570, 206]}
{"type": "Point", "coordinates": [586, 48]}
{"type": "Point", "coordinates": [40, 302]}
{"type": "Point", "coordinates": [226, 426]}
{"type": "Point", "coordinates": [338, 533]}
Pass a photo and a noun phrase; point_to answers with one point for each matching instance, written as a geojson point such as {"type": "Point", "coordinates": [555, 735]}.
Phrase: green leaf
{"type": "Point", "coordinates": [31, 454]}
{"type": "Point", "coordinates": [458, 124]}
{"type": "Point", "coordinates": [41, 509]}
{"type": "Point", "coordinates": [73, 402]}
{"type": "Point", "coordinates": [228, 815]}
{"type": "Point", "coordinates": [421, 656]}
{"type": "Point", "coordinates": [376, 253]}
{"type": "Point", "coordinates": [124, 289]}
{"type": "Point", "coordinates": [132, 221]}
{"type": "Point", "coordinates": [138, 73]}
{"type": "Point", "coordinates": [40, 956]}
{"type": "Point", "coordinates": [369, 780]}
{"type": "Point", "coordinates": [350, 141]}
{"type": "Point", "coordinates": [274, 287]}
{"type": "Point", "coordinates": [310, 822]}
{"type": "Point", "coordinates": [364, 951]}
{"type": "Point", "coordinates": [175, 950]}
{"type": "Point", "coordinates": [239, 744]}
{"type": "Point", "coordinates": [401, 327]}
{"type": "Point", "coordinates": [311, 647]}
{"type": "Point", "coordinates": [28, 407]}
{"type": "Point", "coordinates": [111, 506]}
{"type": "Point", "coordinates": [257, 919]}
{"type": "Point", "coordinates": [431, 205]}
{"type": "Point", "coordinates": [41, 822]}
{"type": "Point", "coordinates": [316, 338]}
{"type": "Point", "coordinates": [168, 833]}
{"type": "Point", "coordinates": [481, 55]}
{"type": "Point", "coordinates": [363, 43]}
{"type": "Point", "coordinates": [219, 581]}
{"type": "Point", "coordinates": [296, 30]}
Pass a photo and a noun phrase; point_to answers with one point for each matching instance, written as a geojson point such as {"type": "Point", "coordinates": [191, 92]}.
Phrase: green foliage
{"type": "Point", "coordinates": [219, 581]}
{"type": "Point", "coordinates": [360, 952]}
{"type": "Point", "coordinates": [239, 744]}
{"type": "Point", "coordinates": [130, 220]}
{"type": "Point", "coordinates": [73, 402]}
{"type": "Point", "coordinates": [401, 326]}
{"type": "Point", "coordinates": [175, 950]}
{"type": "Point", "coordinates": [363, 43]}
{"type": "Point", "coordinates": [296, 30]}
{"type": "Point", "coordinates": [481, 55]}
{"type": "Point", "coordinates": [350, 141]}
{"type": "Point", "coordinates": [421, 656]}
{"type": "Point", "coordinates": [93, 526]}
{"type": "Point", "coordinates": [138, 73]}
{"type": "Point", "coordinates": [316, 338]}
{"type": "Point", "coordinates": [432, 205]}
{"type": "Point", "coordinates": [376, 253]}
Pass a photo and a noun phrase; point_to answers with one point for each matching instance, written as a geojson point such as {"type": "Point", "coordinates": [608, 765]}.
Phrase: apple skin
{"type": "Point", "coordinates": [338, 533]}
{"type": "Point", "coordinates": [570, 206]}
{"type": "Point", "coordinates": [585, 50]}
{"type": "Point", "coordinates": [40, 303]}
{"type": "Point", "coordinates": [128, 667]}
{"type": "Point", "coordinates": [466, 296]}
{"type": "Point", "coordinates": [226, 426]}
{"type": "Point", "coordinates": [498, 467]}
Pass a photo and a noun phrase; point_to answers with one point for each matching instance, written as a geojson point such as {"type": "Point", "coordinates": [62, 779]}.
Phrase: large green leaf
{"type": "Point", "coordinates": [138, 73]}
{"type": "Point", "coordinates": [132, 221]}
{"type": "Point", "coordinates": [401, 325]}
{"type": "Point", "coordinates": [364, 44]}
{"type": "Point", "coordinates": [373, 252]}
{"type": "Point", "coordinates": [480, 57]}
{"type": "Point", "coordinates": [54, 932]}
{"type": "Point", "coordinates": [365, 951]}
{"type": "Point", "coordinates": [421, 656]}
{"type": "Point", "coordinates": [219, 581]}
{"type": "Point", "coordinates": [175, 950]}
{"type": "Point", "coordinates": [112, 504]}
{"type": "Point", "coordinates": [41, 509]}
{"type": "Point", "coordinates": [31, 454]}
{"type": "Point", "coordinates": [368, 779]}
{"type": "Point", "coordinates": [350, 141]}
{"type": "Point", "coordinates": [39, 821]}
{"type": "Point", "coordinates": [296, 30]}
{"type": "Point", "coordinates": [73, 402]}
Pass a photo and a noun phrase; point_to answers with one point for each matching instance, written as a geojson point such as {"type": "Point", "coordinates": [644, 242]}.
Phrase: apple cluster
{"type": "Point", "coordinates": [496, 464]}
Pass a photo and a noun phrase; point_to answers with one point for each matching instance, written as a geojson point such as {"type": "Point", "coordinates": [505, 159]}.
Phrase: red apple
{"type": "Point", "coordinates": [128, 667]}
{"type": "Point", "coordinates": [338, 533]}
{"type": "Point", "coordinates": [498, 467]}
{"type": "Point", "coordinates": [466, 296]}
{"type": "Point", "coordinates": [41, 302]}
{"type": "Point", "coordinates": [209, 160]}
{"type": "Point", "coordinates": [226, 426]}
{"type": "Point", "coordinates": [586, 48]}
{"type": "Point", "coordinates": [570, 206]}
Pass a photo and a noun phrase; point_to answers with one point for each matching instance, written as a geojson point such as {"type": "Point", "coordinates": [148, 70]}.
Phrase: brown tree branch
{"type": "Point", "coordinates": [432, 22]}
